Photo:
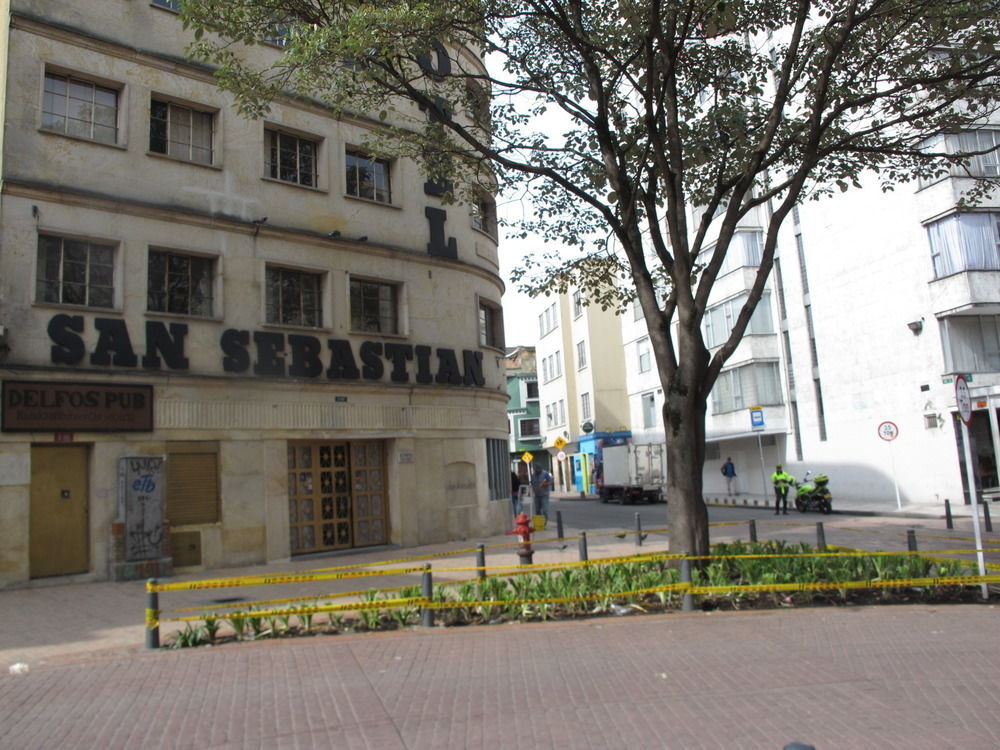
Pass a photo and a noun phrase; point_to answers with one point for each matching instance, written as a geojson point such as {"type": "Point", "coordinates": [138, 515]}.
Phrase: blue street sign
{"type": "Point", "coordinates": [756, 418]}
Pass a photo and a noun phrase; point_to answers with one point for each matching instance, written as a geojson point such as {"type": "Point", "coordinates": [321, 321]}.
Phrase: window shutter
{"type": "Point", "coordinates": [193, 483]}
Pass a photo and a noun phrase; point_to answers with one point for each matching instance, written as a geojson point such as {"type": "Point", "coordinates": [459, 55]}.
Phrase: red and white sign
{"type": "Point", "coordinates": [888, 431]}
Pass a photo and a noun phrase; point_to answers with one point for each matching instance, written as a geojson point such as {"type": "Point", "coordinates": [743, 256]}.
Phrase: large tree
{"type": "Point", "coordinates": [643, 131]}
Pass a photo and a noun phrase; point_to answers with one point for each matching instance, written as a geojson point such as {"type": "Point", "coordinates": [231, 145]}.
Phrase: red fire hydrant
{"type": "Point", "coordinates": [522, 527]}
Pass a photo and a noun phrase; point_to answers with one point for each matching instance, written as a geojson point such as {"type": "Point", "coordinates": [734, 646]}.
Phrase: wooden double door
{"type": "Point", "coordinates": [337, 495]}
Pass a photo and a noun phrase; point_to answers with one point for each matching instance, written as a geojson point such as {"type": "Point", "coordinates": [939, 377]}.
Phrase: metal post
{"type": "Point", "coordinates": [820, 537]}
{"type": "Point", "coordinates": [583, 546]}
{"type": "Point", "coordinates": [638, 530]}
{"type": "Point", "coordinates": [687, 603]}
{"type": "Point", "coordinates": [559, 526]}
{"type": "Point", "coordinates": [948, 520]}
{"type": "Point", "coordinates": [753, 531]}
{"type": "Point", "coordinates": [987, 521]}
{"type": "Point", "coordinates": [911, 540]}
{"type": "Point", "coordinates": [481, 561]}
{"type": "Point", "coordinates": [427, 591]}
{"type": "Point", "coordinates": [152, 615]}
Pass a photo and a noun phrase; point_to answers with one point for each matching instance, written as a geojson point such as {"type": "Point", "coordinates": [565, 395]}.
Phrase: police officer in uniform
{"type": "Point", "coordinates": [782, 480]}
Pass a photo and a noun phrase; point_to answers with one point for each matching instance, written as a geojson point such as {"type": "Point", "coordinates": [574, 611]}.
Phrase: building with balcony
{"type": "Point", "coordinates": [876, 302]}
{"type": "Point", "coordinates": [226, 341]}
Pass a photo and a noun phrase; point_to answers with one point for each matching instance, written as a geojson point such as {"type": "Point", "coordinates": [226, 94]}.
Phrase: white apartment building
{"type": "Point", "coordinates": [581, 382]}
{"type": "Point", "coordinates": [876, 302]}
{"type": "Point", "coordinates": [297, 345]}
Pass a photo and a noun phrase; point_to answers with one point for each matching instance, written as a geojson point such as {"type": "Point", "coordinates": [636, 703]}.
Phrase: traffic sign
{"type": "Point", "coordinates": [964, 399]}
{"type": "Point", "coordinates": [561, 456]}
{"type": "Point", "coordinates": [888, 431]}
{"type": "Point", "coordinates": [527, 457]}
{"type": "Point", "coordinates": [559, 443]}
{"type": "Point", "coordinates": [756, 418]}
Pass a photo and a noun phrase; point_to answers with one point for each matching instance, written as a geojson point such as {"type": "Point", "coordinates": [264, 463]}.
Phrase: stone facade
{"type": "Point", "coordinates": [310, 344]}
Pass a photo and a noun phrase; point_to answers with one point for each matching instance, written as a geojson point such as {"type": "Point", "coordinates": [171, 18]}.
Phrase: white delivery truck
{"type": "Point", "coordinates": [634, 472]}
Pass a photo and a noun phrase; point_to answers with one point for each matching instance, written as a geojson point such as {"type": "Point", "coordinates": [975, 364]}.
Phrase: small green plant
{"type": "Point", "coordinates": [212, 626]}
{"type": "Point", "coordinates": [190, 637]}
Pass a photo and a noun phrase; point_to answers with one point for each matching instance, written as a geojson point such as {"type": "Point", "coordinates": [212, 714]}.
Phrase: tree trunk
{"type": "Point", "coordinates": [687, 517]}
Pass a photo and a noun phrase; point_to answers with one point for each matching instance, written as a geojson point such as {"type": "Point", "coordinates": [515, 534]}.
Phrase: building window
{"type": "Point", "coordinates": [560, 414]}
{"type": "Point", "coordinates": [192, 492]}
{"type": "Point", "coordinates": [644, 355]}
{"type": "Point", "coordinates": [581, 354]}
{"type": "Point", "coordinates": [744, 250]}
{"type": "Point", "coordinates": [293, 297]}
{"type": "Point", "coordinates": [750, 385]}
{"type": "Point", "coordinates": [551, 367]}
{"type": "Point", "coordinates": [965, 242]}
{"type": "Point", "coordinates": [549, 421]}
{"type": "Point", "coordinates": [648, 410]}
{"type": "Point", "coordinates": [547, 321]}
{"type": "Point", "coordinates": [585, 412]}
{"type": "Point", "coordinates": [484, 215]}
{"type": "Point", "coordinates": [75, 272]}
{"type": "Point", "coordinates": [73, 106]}
{"type": "Point", "coordinates": [367, 177]}
{"type": "Point", "coordinates": [531, 389]}
{"type": "Point", "coordinates": [498, 468]}
{"type": "Point", "coordinates": [174, 5]}
{"type": "Point", "coordinates": [374, 306]}
{"type": "Point", "coordinates": [529, 428]}
{"type": "Point", "coordinates": [180, 131]}
{"type": "Point", "coordinates": [577, 304]}
{"type": "Point", "coordinates": [490, 325]}
{"type": "Point", "coordinates": [971, 343]}
{"type": "Point", "coordinates": [290, 158]}
{"type": "Point", "coordinates": [719, 320]}
{"type": "Point", "coordinates": [178, 283]}
{"type": "Point", "coordinates": [637, 313]}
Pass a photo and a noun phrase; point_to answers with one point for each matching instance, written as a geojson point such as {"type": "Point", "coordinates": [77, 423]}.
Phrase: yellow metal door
{"type": "Point", "coordinates": [59, 531]}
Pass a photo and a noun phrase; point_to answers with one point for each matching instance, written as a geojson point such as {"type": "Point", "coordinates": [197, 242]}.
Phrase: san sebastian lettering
{"type": "Point", "coordinates": [264, 353]}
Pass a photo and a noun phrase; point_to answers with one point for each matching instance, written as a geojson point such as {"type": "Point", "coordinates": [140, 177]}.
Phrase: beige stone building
{"type": "Point", "coordinates": [305, 333]}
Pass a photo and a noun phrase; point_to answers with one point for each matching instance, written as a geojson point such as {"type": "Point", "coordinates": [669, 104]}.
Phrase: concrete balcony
{"type": "Point", "coordinates": [974, 292]}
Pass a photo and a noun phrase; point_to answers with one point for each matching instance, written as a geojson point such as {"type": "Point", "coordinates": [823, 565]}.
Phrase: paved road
{"type": "Point", "coordinates": [908, 677]}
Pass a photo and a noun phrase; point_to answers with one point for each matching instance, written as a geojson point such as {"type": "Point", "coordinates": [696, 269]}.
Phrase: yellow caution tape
{"type": "Point", "coordinates": [290, 599]}
{"type": "Point", "coordinates": [397, 561]}
{"type": "Point", "coordinates": [316, 609]}
{"type": "Point", "coordinates": [267, 580]}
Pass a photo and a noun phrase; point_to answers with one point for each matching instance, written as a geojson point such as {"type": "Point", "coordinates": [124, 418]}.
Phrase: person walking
{"type": "Point", "coordinates": [729, 472]}
{"type": "Point", "coordinates": [541, 485]}
{"type": "Point", "coordinates": [781, 480]}
{"type": "Point", "coordinates": [515, 493]}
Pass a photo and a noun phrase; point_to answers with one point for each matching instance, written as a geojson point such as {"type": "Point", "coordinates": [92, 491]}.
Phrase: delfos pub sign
{"type": "Point", "coordinates": [31, 406]}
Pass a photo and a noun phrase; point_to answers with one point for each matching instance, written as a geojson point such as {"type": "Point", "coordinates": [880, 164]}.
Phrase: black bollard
{"type": "Point", "coordinates": [559, 526]}
{"type": "Point", "coordinates": [911, 540]}
{"type": "Point", "coordinates": [687, 603]}
{"type": "Point", "coordinates": [427, 591]}
{"type": "Point", "coordinates": [987, 521]}
{"type": "Point", "coordinates": [948, 520]}
{"type": "Point", "coordinates": [481, 561]}
{"type": "Point", "coordinates": [583, 546]}
{"type": "Point", "coordinates": [638, 531]}
{"type": "Point", "coordinates": [820, 537]}
{"type": "Point", "coordinates": [753, 531]}
{"type": "Point", "coordinates": [152, 615]}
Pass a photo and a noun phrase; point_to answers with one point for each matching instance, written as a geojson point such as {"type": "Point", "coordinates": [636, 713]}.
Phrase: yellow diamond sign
{"type": "Point", "coordinates": [527, 457]}
{"type": "Point", "coordinates": [559, 443]}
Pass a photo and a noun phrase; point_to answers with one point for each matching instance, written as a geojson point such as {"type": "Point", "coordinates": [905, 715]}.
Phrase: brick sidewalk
{"type": "Point", "coordinates": [909, 677]}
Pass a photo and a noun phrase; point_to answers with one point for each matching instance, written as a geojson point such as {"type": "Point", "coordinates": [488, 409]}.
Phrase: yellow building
{"type": "Point", "coordinates": [305, 333]}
